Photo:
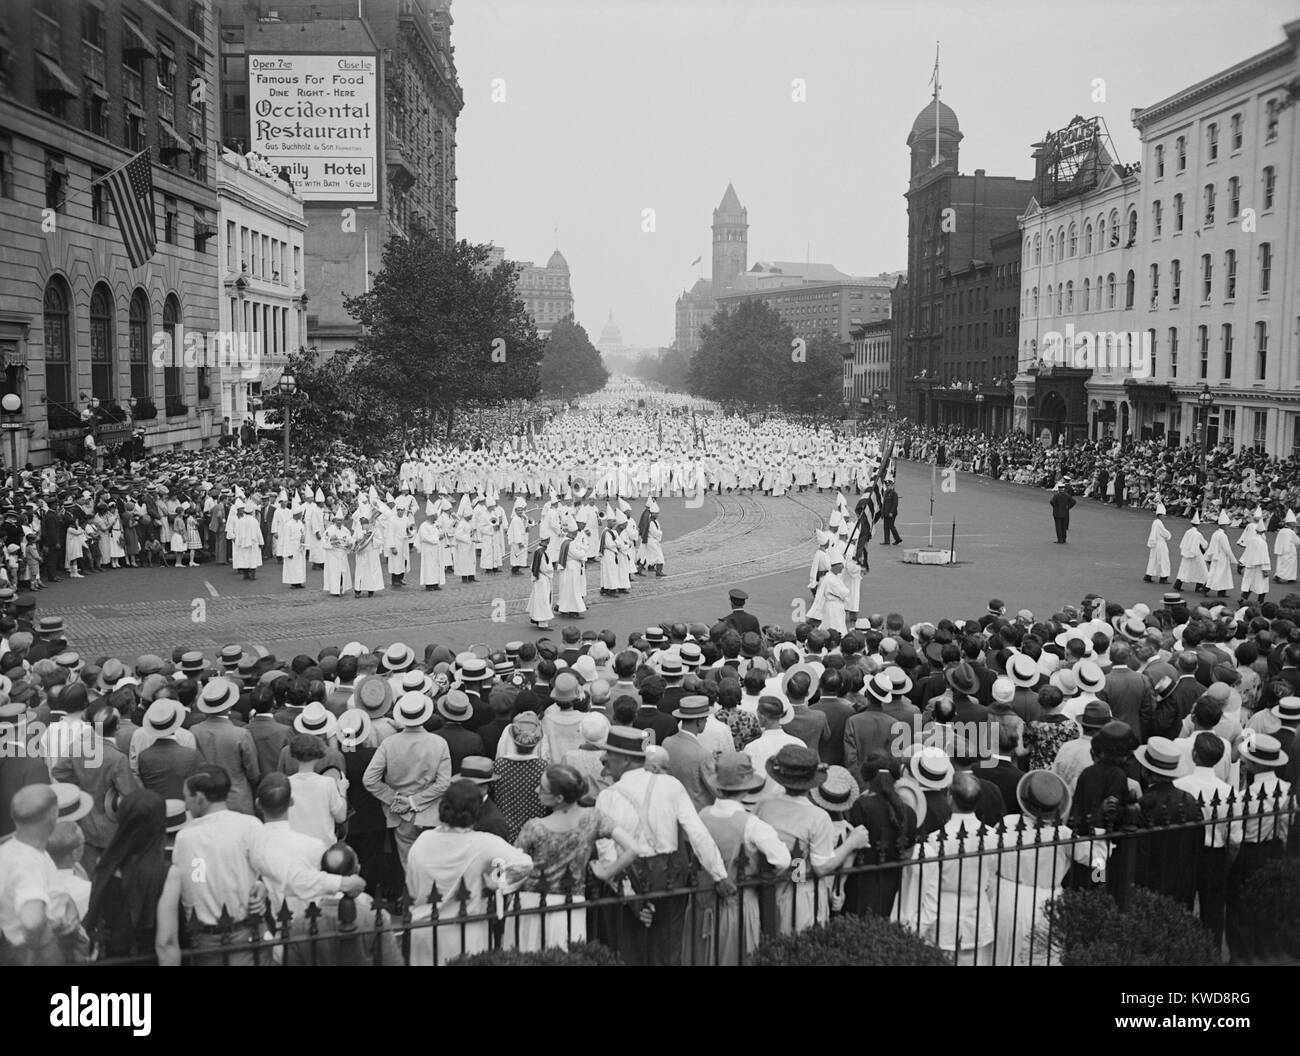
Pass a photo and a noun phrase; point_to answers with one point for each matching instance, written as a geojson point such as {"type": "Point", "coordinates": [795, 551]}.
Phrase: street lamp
{"type": "Point", "coordinates": [287, 386]}
{"type": "Point", "coordinates": [979, 411]}
{"type": "Point", "coordinates": [1205, 399]}
{"type": "Point", "coordinates": [12, 406]}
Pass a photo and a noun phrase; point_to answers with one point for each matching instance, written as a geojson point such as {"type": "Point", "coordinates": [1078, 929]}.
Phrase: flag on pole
{"type": "Point", "coordinates": [874, 501]}
{"type": "Point", "coordinates": [130, 186]}
{"type": "Point", "coordinates": [696, 261]}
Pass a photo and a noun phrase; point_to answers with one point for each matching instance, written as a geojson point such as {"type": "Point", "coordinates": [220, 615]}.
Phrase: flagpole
{"type": "Point", "coordinates": [936, 106]}
{"type": "Point", "coordinates": [934, 472]}
{"type": "Point", "coordinates": [98, 179]}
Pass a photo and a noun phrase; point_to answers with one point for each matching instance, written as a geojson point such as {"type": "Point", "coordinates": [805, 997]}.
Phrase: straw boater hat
{"type": "Point", "coordinates": [837, 792]}
{"type": "Point", "coordinates": [1043, 794]}
{"type": "Point", "coordinates": [412, 709]}
{"type": "Point", "coordinates": [796, 768]}
{"type": "Point", "coordinates": [398, 657]}
{"type": "Point", "coordinates": [353, 728]}
{"type": "Point", "coordinates": [1161, 756]}
{"type": "Point", "coordinates": [931, 768]}
{"type": "Point", "coordinates": [694, 707]}
{"type": "Point", "coordinates": [316, 720]}
{"type": "Point", "coordinates": [455, 706]}
{"type": "Point", "coordinates": [1264, 750]}
{"type": "Point", "coordinates": [164, 716]}
{"type": "Point", "coordinates": [477, 768]}
{"type": "Point", "coordinates": [623, 740]}
{"type": "Point", "coordinates": [374, 694]}
{"type": "Point", "coordinates": [175, 815]}
{"type": "Point", "coordinates": [218, 697]}
{"type": "Point", "coordinates": [1022, 670]}
{"type": "Point", "coordinates": [74, 804]}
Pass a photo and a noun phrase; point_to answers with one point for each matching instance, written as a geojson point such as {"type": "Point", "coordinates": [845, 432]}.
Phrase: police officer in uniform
{"type": "Point", "coordinates": [738, 619]}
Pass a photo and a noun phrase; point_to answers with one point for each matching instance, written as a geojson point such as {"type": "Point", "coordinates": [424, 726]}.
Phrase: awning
{"type": "Point", "coordinates": [136, 42]}
{"type": "Point", "coordinates": [56, 71]}
{"type": "Point", "coordinates": [98, 91]}
{"type": "Point", "coordinates": [177, 144]}
{"type": "Point", "coordinates": [134, 109]}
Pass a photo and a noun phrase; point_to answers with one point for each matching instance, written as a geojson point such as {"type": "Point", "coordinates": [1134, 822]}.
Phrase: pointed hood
{"type": "Point", "coordinates": [1196, 517]}
{"type": "Point", "coordinates": [319, 497]}
{"type": "Point", "coordinates": [1160, 509]}
{"type": "Point", "coordinates": [1290, 517]}
{"type": "Point", "coordinates": [1224, 519]}
{"type": "Point", "coordinates": [464, 509]}
{"type": "Point", "coordinates": [430, 509]}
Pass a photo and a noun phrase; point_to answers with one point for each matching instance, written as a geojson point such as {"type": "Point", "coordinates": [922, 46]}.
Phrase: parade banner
{"type": "Point", "coordinates": [317, 116]}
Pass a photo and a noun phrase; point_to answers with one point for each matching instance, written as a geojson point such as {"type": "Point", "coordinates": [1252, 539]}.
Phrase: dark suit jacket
{"type": "Point", "coordinates": [1062, 503]}
{"type": "Point", "coordinates": [648, 718]}
{"type": "Point", "coordinates": [837, 712]}
{"type": "Point", "coordinates": [1006, 775]}
{"type": "Point", "coordinates": [741, 621]}
{"type": "Point", "coordinates": [811, 727]}
{"type": "Point", "coordinates": [269, 737]}
{"type": "Point", "coordinates": [461, 741]}
{"type": "Point", "coordinates": [365, 812]}
{"type": "Point", "coordinates": [493, 821]}
{"type": "Point", "coordinates": [1127, 693]}
{"type": "Point", "coordinates": [692, 764]}
{"type": "Point", "coordinates": [671, 699]}
{"type": "Point", "coordinates": [490, 735]}
{"type": "Point", "coordinates": [987, 677]}
{"type": "Point", "coordinates": [165, 765]}
{"type": "Point", "coordinates": [17, 770]}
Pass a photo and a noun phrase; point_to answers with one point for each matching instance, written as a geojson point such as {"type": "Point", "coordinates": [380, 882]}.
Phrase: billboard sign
{"type": "Point", "coordinates": [318, 117]}
{"type": "Point", "coordinates": [1071, 161]}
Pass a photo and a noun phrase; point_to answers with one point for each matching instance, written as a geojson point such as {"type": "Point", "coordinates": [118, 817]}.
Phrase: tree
{"type": "Point", "coordinates": [571, 366]}
{"type": "Point", "coordinates": [443, 330]}
{"type": "Point", "coordinates": [816, 383]}
{"type": "Point", "coordinates": [329, 404]}
{"type": "Point", "coordinates": [744, 357]}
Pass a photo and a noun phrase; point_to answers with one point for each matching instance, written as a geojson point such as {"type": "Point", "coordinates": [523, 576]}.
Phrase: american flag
{"type": "Point", "coordinates": [874, 500]}
{"type": "Point", "coordinates": [131, 188]}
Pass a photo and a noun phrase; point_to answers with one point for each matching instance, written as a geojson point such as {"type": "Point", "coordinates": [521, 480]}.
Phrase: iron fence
{"type": "Point", "coordinates": [975, 891]}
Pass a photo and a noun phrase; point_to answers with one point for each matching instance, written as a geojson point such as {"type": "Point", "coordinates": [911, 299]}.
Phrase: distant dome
{"type": "Point", "coordinates": [557, 261]}
{"type": "Point", "coordinates": [924, 122]}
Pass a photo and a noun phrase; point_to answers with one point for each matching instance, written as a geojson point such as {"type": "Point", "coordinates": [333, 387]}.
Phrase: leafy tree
{"type": "Point", "coordinates": [329, 404]}
{"type": "Point", "coordinates": [442, 330]}
{"type": "Point", "coordinates": [817, 383]}
{"type": "Point", "coordinates": [746, 358]}
{"type": "Point", "coordinates": [571, 365]}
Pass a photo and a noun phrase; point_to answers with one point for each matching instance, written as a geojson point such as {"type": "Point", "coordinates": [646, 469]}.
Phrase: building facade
{"type": "Point", "coordinates": [695, 307]}
{"type": "Point", "coordinates": [730, 240]}
{"type": "Point", "coordinates": [547, 292]}
{"type": "Point", "coordinates": [263, 304]}
{"type": "Point", "coordinates": [866, 366]}
{"type": "Point", "coordinates": [952, 220]}
{"type": "Point", "coordinates": [87, 339]}
{"type": "Point", "coordinates": [419, 101]}
{"type": "Point", "coordinates": [813, 308]}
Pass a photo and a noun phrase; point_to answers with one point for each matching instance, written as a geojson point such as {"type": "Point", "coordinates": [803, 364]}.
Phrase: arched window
{"type": "Point", "coordinates": [1155, 285]}
{"type": "Point", "coordinates": [1069, 296]}
{"type": "Point", "coordinates": [1110, 290]}
{"type": "Point", "coordinates": [1051, 247]}
{"type": "Point", "coordinates": [1060, 243]}
{"type": "Point", "coordinates": [1038, 249]}
{"type": "Point", "coordinates": [1114, 228]}
{"type": "Point", "coordinates": [140, 340]}
{"type": "Point", "coordinates": [1101, 233]}
{"type": "Point", "coordinates": [1035, 301]}
{"type": "Point", "coordinates": [1074, 239]}
{"type": "Point", "coordinates": [101, 345]}
{"type": "Point", "coordinates": [1087, 237]}
{"type": "Point", "coordinates": [1087, 295]}
{"type": "Point", "coordinates": [1060, 297]}
{"type": "Point", "coordinates": [1160, 160]}
{"type": "Point", "coordinates": [1130, 289]}
{"type": "Point", "coordinates": [173, 380]}
{"type": "Point", "coordinates": [1047, 304]}
{"type": "Point", "coordinates": [58, 348]}
{"type": "Point", "coordinates": [1132, 226]}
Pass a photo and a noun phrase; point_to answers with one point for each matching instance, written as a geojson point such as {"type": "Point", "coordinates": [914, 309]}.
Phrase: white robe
{"type": "Point", "coordinates": [399, 531]}
{"type": "Point", "coordinates": [1158, 543]}
{"type": "Point", "coordinates": [609, 560]}
{"type": "Point", "coordinates": [295, 552]}
{"type": "Point", "coordinates": [248, 543]}
{"type": "Point", "coordinates": [494, 538]}
{"type": "Point", "coordinates": [1254, 559]}
{"type": "Point", "coordinates": [464, 562]}
{"type": "Point", "coordinates": [517, 541]}
{"type": "Point", "coordinates": [338, 570]}
{"type": "Point", "coordinates": [314, 521]}
{"type": "Point", "coordinates": [370, 573]}
{"type": "Point", "coordinates": [572, 588]}
{"type": "Point", "coordinates": [279, 519]}
{"type": "Point", "coordinates": [1192, 568]}
{"type": "Point", "coordinates": [853, 581]}
{"type": "Point", "coordinates": [1221, 560]}
{"type": "Point", "coordinates": [539, 601]}
{"type": "Point", "coordinates": [654, 550]}
{"type": "Point", "coordinates": [1284, 549]}
{"type": "Point", "coordinates": [433, 561]}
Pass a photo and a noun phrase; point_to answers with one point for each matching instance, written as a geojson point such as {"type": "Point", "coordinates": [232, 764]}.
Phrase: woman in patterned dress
{"type": "Point", "coordinates": [560, 845]}
{"type": "Point", "coordinates": [522, 758]}
{"type": "Point", "coordinates": [1045, 735]}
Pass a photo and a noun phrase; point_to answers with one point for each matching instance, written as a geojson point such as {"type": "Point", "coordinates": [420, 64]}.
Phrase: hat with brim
{"type": "Point", "coordinates": [899, 680]}
{"type": "Point", "coordinates": [399, 657]}
{"type": "Point", "coordinates": [455, 706]}
{"type": "Point", "coordinates": [219, 695]}
{"type": "Point", "coordinates": [837, 792]}
{"type": "Point", "coordinates": [374, 695]}
{"type": "Point", "coordinates": [695, 707]}
{"type": "Point", "coordinates": [767, 704]}
{"type": "Point", "coordinates": [932, 769]}
{"type": "Point", "coordinates": [176, 815]}
{"type": "Point", "coordinates": [1265, 750]}
{"type": "Point", "coordinates": [474, 669]}
{"type": "Point", "coordinates": [1043, 794]}
{"type": "Point", "coordinates": [74, 804]}
{"type": "Point", "coordinates": [623, 740]}
{"type": "Point", "coordinates": [412, 709]}
{"type": "Point", "coordinates": [164, 716]}
{"type": "Point", "coordinates": [1287, 709]}
{"type": "Point", "coordinates": [1161, 756]}
{"type": "Point", "coordinates": [12, 709]}
{"type": "Point", "coordinates": [476, 768]}
{"type": "Point", "coordinates": [734, 772]}
{"type": "Point", "coordinates": [1022, 670]}
{"type": "Point", "coordinates": [961, 679]}
{"type": "Point", "coordinates": [353, 728]}
{"type": "Point", "coordinates": [796, 768]}
{"type": "Point", "coordinates": [914, 796]}
{"type": "Point", "coordinates": [316, 720]}
{"type": "Point", "coordinates": [670, 665]}
{"type": "Point", "coordinates": [880, 687]}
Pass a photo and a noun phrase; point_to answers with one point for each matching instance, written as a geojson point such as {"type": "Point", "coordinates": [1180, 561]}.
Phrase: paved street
{"type": "Point", "coordinates": [1004, 549]}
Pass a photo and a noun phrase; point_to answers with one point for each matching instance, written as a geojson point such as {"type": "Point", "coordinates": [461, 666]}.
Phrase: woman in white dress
{"type": "Point", "coordinates": [1029, 875]}
{"type": "Point", "coordinates": [539, 602]}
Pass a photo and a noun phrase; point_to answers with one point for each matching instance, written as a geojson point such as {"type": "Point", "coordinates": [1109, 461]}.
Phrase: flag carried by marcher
{"type": "Point", "coordinates": [871, 505]}
{"type": "Point", "coordinates": [130, 187]}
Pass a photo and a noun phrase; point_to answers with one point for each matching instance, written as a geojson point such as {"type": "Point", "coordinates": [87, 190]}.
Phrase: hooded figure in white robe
{"type": "Point", "coordinates": [1192, 568]}
{"type": "Point", "coordinates": [1284, 549]}
{"type": "Point", "coordinates": [608, 556]}
{"type": "Point", "coordinates": [1158, 545]}
{"type": "Point", "coordinates": [464, 560]}
{"type": "Point", "coordinates": [1221, 559]}
{"type": "Point", "coordinates": [294, 572]}
{"type": "Point", "coordinates": [517, 538]}
{"type": "Point", "coordinates": [429, 541]}
{"type": "Point", "coordinates": [573, 560]}
{"type": "Point", "coordinates": [247, 553]}
{"type": "Point", "coordinates": [370, 548]}
{"type": "Point", "coordinates": [314, 522]}
{"type": "Point", "coordinates": [1254, 560]}
{"type": "Point", "coordinates": [338, 548]}
{"type": "Point", "coordinates": [539, 601]}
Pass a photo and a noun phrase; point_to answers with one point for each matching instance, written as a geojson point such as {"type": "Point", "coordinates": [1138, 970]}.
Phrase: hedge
{"type": "Point", "coordinates": [1090, 929]}
{"type": "Point", "coordinates": [849, 940]}
{"type": "Point", "coordinates": [577, 955]}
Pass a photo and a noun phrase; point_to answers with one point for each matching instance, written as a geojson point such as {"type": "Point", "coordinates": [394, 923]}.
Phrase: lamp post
{"type": "Point", "coordinates": [12, 406]}
{"type": "Point", "coordinates": [1205, 400]}
{"type": "Point", "coordinates": [979, 412]}
{"type": "Point", "coordinates": [287, 386]}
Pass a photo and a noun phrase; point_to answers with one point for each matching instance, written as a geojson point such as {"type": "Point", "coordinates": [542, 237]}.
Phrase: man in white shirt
{"type": "Point", "coordinates": [29, 882]}
{"type": "Point", "coordinates": [773, 714]}
{"type": "Point", "coordinates": [213, 854]}
{"type": "Point", "coordinates": [651, 807]}
{"type": "Point", "coordinates": [1222, 840]}
{"type": "Point", "coordinates": [290, 861]}
{"type": "Point", "coordinates": [1205, 717]}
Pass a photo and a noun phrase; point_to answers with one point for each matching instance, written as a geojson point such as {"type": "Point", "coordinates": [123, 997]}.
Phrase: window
{"type": "Point", "coordinates": [1175, 281]}
{"type": "Point", "coordinates": [1209, 205]}
{"type": "Point", "coordinates": [1087, 237]}
{"type": "Point", "coordinates": [1130, 289]}
{"type": "Point", "coordinates": [204, 229]}
{"type": "Point", "coordinates": [95, 108]}
{"type": "Point", "coordinates": [1234, 198]}
{"type": "Point", "coordinates": [1178, 213]}
{"type": "Point", "coordinates": [1132, 226]}
{"type": "Point", "coordinates": [1101, 233]}
{"type": "Point", "coordinates": [56, 182]}
{"type": "Point", "coordinates": [1270, 121]}
{"type": "Point", "coordinates": [1173, 351]}
{"type": "Point", "coordinates": [1110, 290]}
{"type": "Point", "coordinates": [1074, 239]}
{"type": "Point", "coordinates": [172, 378]}
{"type": "Point", "coordinates": [140, 341]}
{"type": "Point", "coordinates": [1259, 430]}
{"type": "Point", "coordinates": [133, 123]}
{"type": "Point", "coordinates": [1212, 141]}
{"type": "Point", "coordinates": [1236, 131]}
{"type": "Point", "coordinates": [1035, 301]}
{"type": "Point", "coordinates": [1225, 338]}
{"type": "Point", "coordinates": [171, 221]}
{"type": "Point", "coordinates": [53, 86]}
{"type": "Point", "coordinates": [1157, 218]}
{"type": "Point", "coordinates": [1203, 347]}
{"type": "Point", "coordinates": [1270, 183]}
{"type": "Point", "coordinates": [1180, 152]}
{"type": "Point", "coordinates": [1160, 160]}
{"type": "Point", "coordinates": [1051, 247]}
{"type": "Point", "coordinates": [101, 344]}
{"type": "Point", "coordinates": [166, 76]}
{"type": "Point", "coordinates": [1151, 351]}
{"type": "Point", "coordinates": [1155, 285]}
{"type": "Point", "coordinates": [6, 167]}
{"type": "Point", "coordinates": [1060, 296]}
{"type": "Point", "coordinates": [1261, 350]}
{"type": "Point", "coordinates": [1114, 229]}
{"type": "Point", "coordinates": [1069, 296]}
{"type": "Point", "coordinates": [1087, 295]}
{"type": "Point", "coordinates": [58, 347]}
{"type": "Point", "coordinates": [98, 197]}
{"type": "Point", "coordinates": [1207, 276]}
{"type": "Point", "coordinates": [1230, 274]}
{"type": "Point", "coordinates": [1265, 267]}
{"type": "Point", "coordinates": [1038, 249]}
